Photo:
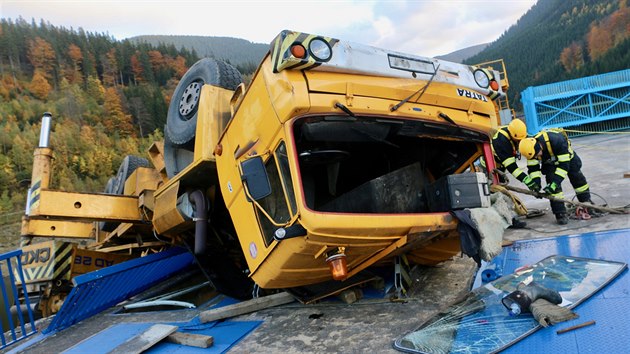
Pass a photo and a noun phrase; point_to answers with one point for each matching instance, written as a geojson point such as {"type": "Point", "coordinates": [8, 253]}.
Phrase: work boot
{"type": "Point", "coordinates": [562, 219]}
{"type": "Point", "coordinates": [591, 211]}
{"type": "Point", "coordinates": [517, 224]}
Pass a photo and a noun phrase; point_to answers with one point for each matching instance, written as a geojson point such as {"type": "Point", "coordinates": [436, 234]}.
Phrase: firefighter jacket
{"type": "Point", "coordinates": [556, 153]}
{"type": "Point", "coordinates": [506, 152]}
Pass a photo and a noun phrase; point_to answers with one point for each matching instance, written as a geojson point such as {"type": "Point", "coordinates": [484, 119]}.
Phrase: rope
{"type": "Point", "coordinates": [591, 132]}
{"type": "Point", "coordinates": [519, 206]}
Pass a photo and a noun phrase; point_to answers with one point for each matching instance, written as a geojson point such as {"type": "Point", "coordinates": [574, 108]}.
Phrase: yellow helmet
{"type": "Point", "coordinates": [529, 148]}
{"type": "Point", "coordinates": [517, 129]}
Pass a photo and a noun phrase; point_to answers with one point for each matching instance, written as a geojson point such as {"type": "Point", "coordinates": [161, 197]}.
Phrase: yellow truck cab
{"type": "Point", "coordinates": [325, 163]}
{"type": "Point", "coordinates": [337, 156]}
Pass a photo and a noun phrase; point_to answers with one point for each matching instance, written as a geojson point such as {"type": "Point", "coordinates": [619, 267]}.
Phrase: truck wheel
{"type": "Point", "coordinates": [109, 189]}
{"type": "Point", "coordinates": [181, 120]}
{"type": "Point", "coordinates": [129, 164]}
{"type": "Point", "coordinates": [176, 158]}
{"type": "Point", "coordinates": [116, 185]}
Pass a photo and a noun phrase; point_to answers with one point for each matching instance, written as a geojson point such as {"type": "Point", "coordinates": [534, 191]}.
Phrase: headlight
{"type": "Point", "coordinates": [319, 49]}
{"type": "Point", "coordinates": [481, 78]}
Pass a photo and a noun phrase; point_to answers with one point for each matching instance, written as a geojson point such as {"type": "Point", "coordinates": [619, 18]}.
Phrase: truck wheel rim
{"type": "Point", "coordinates": [190, 98]}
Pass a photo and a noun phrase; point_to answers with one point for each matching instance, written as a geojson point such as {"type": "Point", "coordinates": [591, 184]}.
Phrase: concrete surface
{"type": "Point", "coordinates": [371, 325]}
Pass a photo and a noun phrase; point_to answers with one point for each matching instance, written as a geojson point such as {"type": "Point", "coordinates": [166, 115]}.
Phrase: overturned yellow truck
{"type": "Point", "coordinates": [333, 159]}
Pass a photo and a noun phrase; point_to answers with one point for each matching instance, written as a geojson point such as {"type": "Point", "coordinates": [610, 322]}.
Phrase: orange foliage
{"type": "Point", "coordinates": [115, 119]}
{"type": "Point", "coordinates": [42, 56]}
{"type": "Point", "coordinates": [75, 54]}
{"type": "Point", "coordinates": [572, 57]}
{"type": "Point", "coordinates": [156, 59]}
{"type": "Point", "coordinates": [110, 68]}
{"type": "Point", "coordinates": [39, 85]}
{"type": "Point", "coordinates": [179, 64]}
{"type": "Point", "coordinates": [137, 69]}
{"type": "Point", "coordinates": [608, 33]}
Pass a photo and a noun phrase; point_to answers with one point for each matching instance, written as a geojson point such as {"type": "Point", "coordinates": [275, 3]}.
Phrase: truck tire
{"type": "Point", "coordinates": [116, 185]}
{"type": "Point", "coordinates": [181, 120]}
{"type": "Point", "coordinates": [109, 189]}
{"type": "Point", "coordinates": [129, 164]}
{"type": "Point", "coordinates": [176, 158]}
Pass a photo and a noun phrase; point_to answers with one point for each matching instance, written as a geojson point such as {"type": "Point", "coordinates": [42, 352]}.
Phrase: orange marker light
{"type": "Point", "coordinates": [218, 150]}
{"type": "Point", "coordinates": [298, 51]}
{"type": "Point", "coordinates": [338, 266]}
{"type": "Point", "coordinates": [494, 85]}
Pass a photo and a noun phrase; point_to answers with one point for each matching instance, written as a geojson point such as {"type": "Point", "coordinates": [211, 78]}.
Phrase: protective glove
{"type": "Point", "coordinates": [532, 184]}
{"type": "Point", "coordinates": [552, 188]}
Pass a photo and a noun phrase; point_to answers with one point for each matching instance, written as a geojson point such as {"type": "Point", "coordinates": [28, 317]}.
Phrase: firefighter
{"type": "Point", "coordinates": [549, 152]}
{"type": "Point", "coordinates": [505, 149]}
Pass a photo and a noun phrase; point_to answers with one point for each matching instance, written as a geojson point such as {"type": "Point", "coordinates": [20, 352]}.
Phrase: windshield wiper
{"type": "Point", "coordinates": [421, 90]}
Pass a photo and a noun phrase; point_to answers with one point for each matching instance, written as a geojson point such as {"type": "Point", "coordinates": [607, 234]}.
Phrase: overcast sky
{"type": "Point", "coordinates": [423, 27]}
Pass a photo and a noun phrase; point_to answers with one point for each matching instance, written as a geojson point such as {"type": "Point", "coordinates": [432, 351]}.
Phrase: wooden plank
{"type": "Point", "coordinates": [145, 340]}
{"type": "Point", "coordinates": [190, 339]}
{"type": "Point", "coordinates": [246, 307]}
{"type": "Point", "coordinates": [132, 245]}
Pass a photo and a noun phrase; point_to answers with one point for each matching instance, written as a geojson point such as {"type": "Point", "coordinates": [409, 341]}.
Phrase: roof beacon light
{"type": "Point", "coordinates": [320, 49]}
{"type": "Point", "coordinates": [298, 51]}
{"type": "Point", "coordinates": [481, 78]}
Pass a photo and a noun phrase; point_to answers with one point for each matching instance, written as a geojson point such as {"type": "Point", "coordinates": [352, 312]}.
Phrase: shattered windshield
{"type": "Point", "coordinates": [369, 165]}
{"type": "Point", "coordinates": [481, 324]}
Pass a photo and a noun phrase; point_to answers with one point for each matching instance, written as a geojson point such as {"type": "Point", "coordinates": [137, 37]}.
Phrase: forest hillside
{"type": "Point", "coordinates": [559, 40]}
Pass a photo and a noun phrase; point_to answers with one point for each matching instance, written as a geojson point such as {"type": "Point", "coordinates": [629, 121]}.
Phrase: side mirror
{"type": "Point", "coordinates": [255, 178]}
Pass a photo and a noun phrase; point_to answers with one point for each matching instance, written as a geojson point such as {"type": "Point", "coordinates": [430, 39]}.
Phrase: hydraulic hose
{"type": "Point", "coordinates": [198, 199]}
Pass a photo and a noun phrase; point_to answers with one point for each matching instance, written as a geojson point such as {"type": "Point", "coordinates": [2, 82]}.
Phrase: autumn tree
{"type": "Point", "coordinates": [42, 56]}
{"type": "Point", "coordinates": [110, 68]}
{"type": "Point", "coordinates": [39, 85]}
{"type": "Point", "coordinates": [95, 89]}
{"type": "Point", "coordinates": [76, 56]}
{"type": "Point", "coordinates": [137, 69]}
{"type": "Point", "coordinates": [116, 121]}
{"type": "Point", "coordinates": [572, 57]}
{"type": "Point", "coordinates": [609, 32]}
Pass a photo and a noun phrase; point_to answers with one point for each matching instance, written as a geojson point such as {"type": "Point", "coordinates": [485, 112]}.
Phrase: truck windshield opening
{"type": "Point", "coordinates": [370, 165]}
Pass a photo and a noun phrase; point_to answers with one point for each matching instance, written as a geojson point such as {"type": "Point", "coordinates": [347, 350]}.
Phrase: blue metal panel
{"type": "Point", "coordinates": [12, 260]}
{"type": "Point", "coordinates": [96, 291]}
{"type": "Point", "coordinates": [579, 102]}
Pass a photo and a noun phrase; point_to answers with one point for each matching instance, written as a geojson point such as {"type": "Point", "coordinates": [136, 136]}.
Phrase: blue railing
{"type": "Point", "coordinates": [99, 290]}
{"type": "Point", "coordinates": [594, 103]}
{"type": "Point", "coordinates": [11, 335]}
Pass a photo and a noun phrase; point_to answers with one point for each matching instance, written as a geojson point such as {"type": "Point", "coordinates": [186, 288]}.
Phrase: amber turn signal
{"type": "Point", "coordinates": [298, 51]}
{"type": "Point", "coordinates": [338, 266]}
{"type": "Point", "coordinates": [494, 85]}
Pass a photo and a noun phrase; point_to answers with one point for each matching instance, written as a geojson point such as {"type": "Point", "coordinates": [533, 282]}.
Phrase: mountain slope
{"type": "Point", "coordinates": [459, 56]}
{"type": "Point", "coordinates": [532, 48]}
{"type": "Point", "coordinates": [239, 52]}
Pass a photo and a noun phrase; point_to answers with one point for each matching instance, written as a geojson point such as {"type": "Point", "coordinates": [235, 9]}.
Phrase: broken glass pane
{"type": "Point", "coordinates": [481, 324]}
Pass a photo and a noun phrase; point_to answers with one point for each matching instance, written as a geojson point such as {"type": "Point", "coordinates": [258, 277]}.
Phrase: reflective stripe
{"type": "Point", "coordinates": [560, 172]}
{"type": "Point", "coordinates": [510, 160]}
{"type": "Point", "coordinates": [549, 149]}
{"type": "Point", "coordinates": [535, 174]}
{"type": "Point", "coordinates": [507, 135]}
{"type": "Point", "coordinates": [517, 172]}
{"type": "Point", "coordinates": [532, 162]}
{"type": "Point", "coordinates": [558, 195]}
{"type": "Point", "coordinates": [581, 189]}
{"type": "Point", "coordinates": [564, 157]}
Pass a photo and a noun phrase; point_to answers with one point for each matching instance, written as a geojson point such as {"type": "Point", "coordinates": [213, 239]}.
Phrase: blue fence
{"type": "Point", "coordinates": [99, 290]}
{"type": "Point", "coordinates": [594, 103]}
{"type": "Point", "coordinates": [24, 327]}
